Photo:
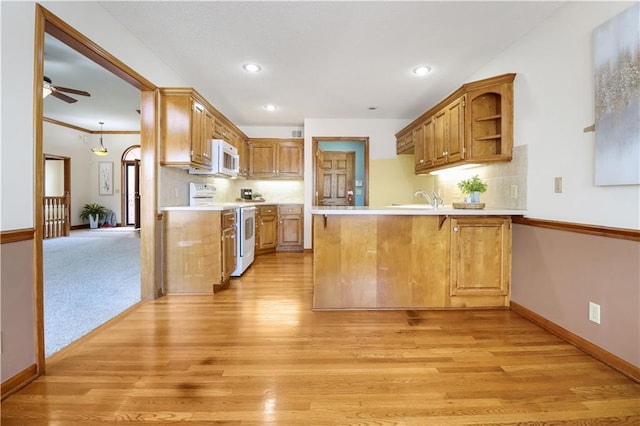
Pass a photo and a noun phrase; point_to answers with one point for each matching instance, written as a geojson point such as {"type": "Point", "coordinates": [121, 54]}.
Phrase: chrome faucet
{"type": "Point", "coordinates": [424, 194]}
{"type": "Point", "coordinates": [433, 199]}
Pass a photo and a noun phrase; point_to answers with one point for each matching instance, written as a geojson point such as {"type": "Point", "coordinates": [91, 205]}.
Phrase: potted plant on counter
{"type": "Point", "coordinates": [472, 188]}
{"type": "Point", "coordinates": [93, 212]}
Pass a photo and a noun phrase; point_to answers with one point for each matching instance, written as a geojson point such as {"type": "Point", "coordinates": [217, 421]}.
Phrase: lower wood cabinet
{"type": "Point", "coordinates": [290, 228]}
{"type": "Point", "coordinates": [198, 250]}
{"type": "Point", "coordinates": [480, 260]}
{"type": "Point", "coordinates": [229, 248]}
{"type": "Point", "coordinates": [411, 262]}
{"type": "Point", "coordinates": [266, 229]}
{"type": "Point", "coordinates": [279, 228]}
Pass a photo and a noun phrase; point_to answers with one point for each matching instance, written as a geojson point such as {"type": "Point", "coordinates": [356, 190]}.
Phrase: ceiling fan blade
{"type": "Point", "coordinates": [74, 91]}
{"type": "Point", "coordinates": [63, 97]}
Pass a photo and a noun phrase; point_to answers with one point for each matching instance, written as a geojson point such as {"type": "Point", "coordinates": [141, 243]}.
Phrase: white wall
{"type": "Point", "coordinates": [16, 155]}
{"type": "Point", "coordinates": [553, 103]}
{"type": "Point", "coordinates": [382, 146]}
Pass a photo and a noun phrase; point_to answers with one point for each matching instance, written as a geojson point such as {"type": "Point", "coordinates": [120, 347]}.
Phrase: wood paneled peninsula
{"type": "Point", "coordinates": [411, 257]}
{"type": "Point", "coordinates": [199, 251]}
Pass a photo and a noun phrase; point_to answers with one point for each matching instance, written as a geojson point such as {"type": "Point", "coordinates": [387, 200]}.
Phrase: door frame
{"type": "Point", "coordinates": [47, 22]}
{"type": "Point", "coordinates": [315, 140]}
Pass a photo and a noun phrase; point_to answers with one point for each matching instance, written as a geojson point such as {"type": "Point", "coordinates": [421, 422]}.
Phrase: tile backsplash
{"type": "Point", "coordinates": [506, 182]}
{"type": "Point", "coordinates": [174, 184]}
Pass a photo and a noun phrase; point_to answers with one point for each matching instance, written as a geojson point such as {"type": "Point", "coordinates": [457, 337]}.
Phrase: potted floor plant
{"type": "Point", "coordinates": [93, 212]}
{"type": "Point", "coordinates": [472, 188]}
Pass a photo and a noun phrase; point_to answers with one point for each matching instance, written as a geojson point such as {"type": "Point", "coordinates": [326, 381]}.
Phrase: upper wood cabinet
{"type": "Point", "coordinates": [185, 129]}
{"type": "Point", "coordinates": [276, 158]}
{"type": "Point", "coordinates": [473, 124]}
{"type": "Point", "coordinates": [188, 123]}
{"type": "Point", "coordinates": [489, 123]}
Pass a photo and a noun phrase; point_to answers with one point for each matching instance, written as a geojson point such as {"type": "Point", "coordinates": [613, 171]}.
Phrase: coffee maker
{"type": "Point", "coordinates": [246, 194]}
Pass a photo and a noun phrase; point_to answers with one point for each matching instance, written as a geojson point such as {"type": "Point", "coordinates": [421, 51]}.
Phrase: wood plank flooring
{"type": "Point", "coordinates": [256, 354]}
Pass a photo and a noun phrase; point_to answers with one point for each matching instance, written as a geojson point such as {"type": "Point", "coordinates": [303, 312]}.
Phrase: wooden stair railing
{"type": "Point", "coordinates": [57, 222]}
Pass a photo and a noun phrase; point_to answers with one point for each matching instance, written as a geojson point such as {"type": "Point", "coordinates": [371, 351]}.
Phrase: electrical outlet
{"type": "Point", "coordinates": [594, 312]}
{"type": "Point", "coordinates": [558, 185]}
{"type": "Point", "coordinates": [514, 191]}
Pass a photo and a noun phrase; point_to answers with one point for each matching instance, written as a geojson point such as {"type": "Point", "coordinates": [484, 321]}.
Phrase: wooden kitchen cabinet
{"type": "Point", "coordinates": [198, 250]}
{"type": "Point", "coordinates": [424, 142]}
{"type": "Point", "coordinates": [489, 123]}
{"type": "Point", "coordinates": [290, 227]}
{"type": "Point", "coordinates": [276, 158]}
{"type": "Point", "coordinates": [449, 133]}
{"type": "Point", "coordinates": [188, 123]}
{"type": "Point", "coordinates": [472, 125]}
{"type": "Point", "coordinates": [229, 248]}
{"type": "Point", "coordinates": [480, 261]}
{"type": "Point", "coordinates": [405, 143]}
{"type": "Point", "coordinates": [266, 231]}
{"type": "Point", "coordinates": [186, 129]}
{"type": "Point", "coordinates": [243, 151]}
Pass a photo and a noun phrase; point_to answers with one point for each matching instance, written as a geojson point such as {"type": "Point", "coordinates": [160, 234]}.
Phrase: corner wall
{"type": "Point", "coordinates": [553, 103]}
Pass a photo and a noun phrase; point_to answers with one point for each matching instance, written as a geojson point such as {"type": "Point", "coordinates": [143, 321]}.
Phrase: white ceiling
{"type": "Point", "coordinates": [320, 59]}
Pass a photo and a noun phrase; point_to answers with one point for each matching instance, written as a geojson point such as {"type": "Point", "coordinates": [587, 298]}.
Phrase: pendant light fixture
{"type": "Point", "coordinates": [102, 150]}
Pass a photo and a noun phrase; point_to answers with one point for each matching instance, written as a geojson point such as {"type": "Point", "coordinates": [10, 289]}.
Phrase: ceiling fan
{"type": "Point", "coordinates": [55, 91]}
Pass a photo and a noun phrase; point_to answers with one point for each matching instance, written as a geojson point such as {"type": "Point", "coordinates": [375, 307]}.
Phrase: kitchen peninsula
{"type": "Point", "coordinates": [411, 257]}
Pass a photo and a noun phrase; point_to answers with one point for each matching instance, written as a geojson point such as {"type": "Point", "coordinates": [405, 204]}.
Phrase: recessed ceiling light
{"type": "Point", "coordinates": [422, 70]}
{"type": "Point", "coordinates": [252, 68]}
{"type": "Point", "coordinates": [270, 107]}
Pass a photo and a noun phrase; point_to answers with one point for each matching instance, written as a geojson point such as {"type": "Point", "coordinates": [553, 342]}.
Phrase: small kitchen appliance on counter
{"type": "Point", "coordinates": [246, 194]}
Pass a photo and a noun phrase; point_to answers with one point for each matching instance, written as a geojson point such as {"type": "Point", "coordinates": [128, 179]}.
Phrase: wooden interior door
{"type": "Point", "coordinates": [337, 178]}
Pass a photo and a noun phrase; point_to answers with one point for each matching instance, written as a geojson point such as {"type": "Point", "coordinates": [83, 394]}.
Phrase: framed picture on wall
{"type": "Point", "coordinates": [105, 177]}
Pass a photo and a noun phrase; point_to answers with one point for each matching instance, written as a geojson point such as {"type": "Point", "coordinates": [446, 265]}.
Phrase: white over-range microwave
{"type": "Point", "coordinates": [225, 160]}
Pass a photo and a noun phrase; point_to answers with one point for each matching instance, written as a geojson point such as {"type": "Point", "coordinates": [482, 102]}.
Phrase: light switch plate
{"type": "Point", "coordinates": [558, 185]}
{"type": "Point", "coordinates": [594, 312]}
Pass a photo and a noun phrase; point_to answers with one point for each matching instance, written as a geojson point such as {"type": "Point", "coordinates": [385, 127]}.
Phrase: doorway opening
{"type": "Point", "coordinates": [48, 23]}
{"type": "Point", "coordinates": [131, 187]}
{"type": "Point", "coordinates": [341, 171]}
{"type": "Point", "coordinates": [56, 203]}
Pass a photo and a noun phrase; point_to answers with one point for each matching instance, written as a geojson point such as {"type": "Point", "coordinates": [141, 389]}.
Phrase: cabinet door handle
{"type": "Point", "coordinates": [455, 229]}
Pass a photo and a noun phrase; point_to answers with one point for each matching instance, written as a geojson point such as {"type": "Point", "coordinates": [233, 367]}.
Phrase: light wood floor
{"type": "Point", "coordinates": [256, 354]}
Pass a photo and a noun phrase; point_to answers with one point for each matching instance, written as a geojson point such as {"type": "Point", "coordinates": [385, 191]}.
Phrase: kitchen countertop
{"type": "Point", "coordinates": [413, 210]}
{"type": "Point", "coordinates": [228, 206]}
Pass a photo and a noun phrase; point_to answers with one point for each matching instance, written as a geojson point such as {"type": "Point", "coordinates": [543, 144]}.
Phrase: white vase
{"type": "Point", "coordinates": [473, 197]}
{"type": "Point", "coordinates": [93, 221]}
